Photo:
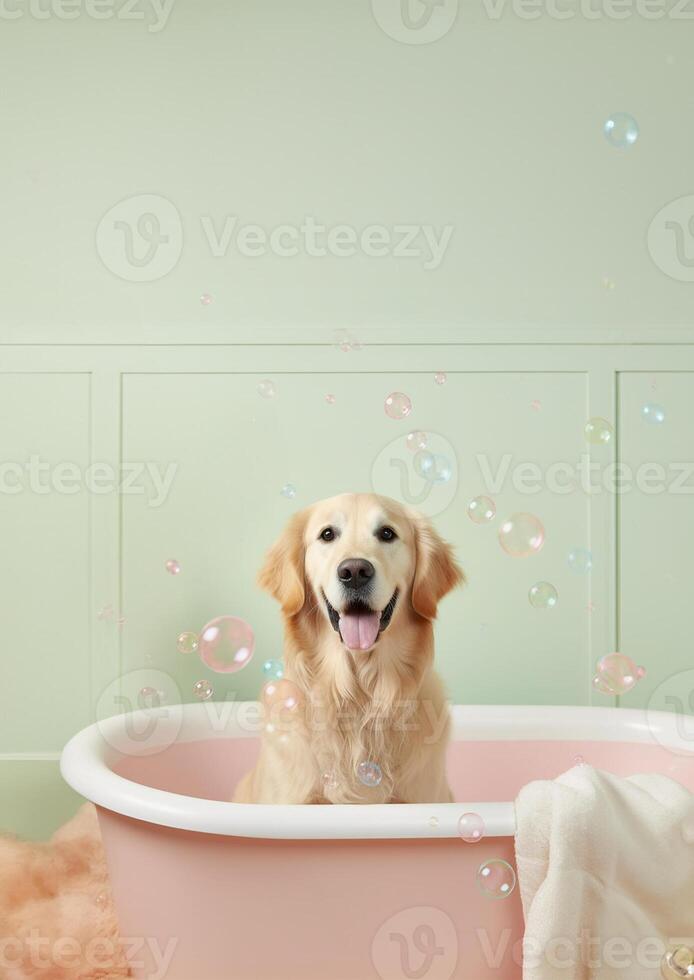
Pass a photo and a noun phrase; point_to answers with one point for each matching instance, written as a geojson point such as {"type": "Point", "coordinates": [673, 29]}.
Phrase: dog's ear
{"type": "Point", "coordinates": [436, 571]}
{"type": "Point", "coordinates": [282, 574]}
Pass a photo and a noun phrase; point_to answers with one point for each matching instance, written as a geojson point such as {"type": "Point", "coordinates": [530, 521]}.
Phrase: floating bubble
{"type": "Point", "coordinates": [432, 467]}
{"type": "Point", "coordinates": [433, 822]}
{"type": "Point", "coordinates": [330, 781]}
{"type": "Point", "coordinates": [330, 399]}
{"type": "Point", "coordinates": [496, 878]}
{"type": "Point", "coordinates": [281, 694]}
{"type": "Point", "coordinates": [172, 567]}
{"type": "Point", "coordinates": [369, 774]}
{"type": "Point", "coordinates": [205, 299]}
{"type": "Point", "coordinates": [536, 405]}
{"type": "Point", "coordinates": [442, 470]}
{"type": "Point", "coordinates": [481, 510]}
{"type": "Point", "coordinates": [424, 463]}
{"type": "Point", "coordinates": [226, 644]}
{"type": "Point", "coordinates": [440, 377]}
{"type": "Point", "coordinates": [187, 643]}
{"type": "Point", "coordinates": [607, 283]}
{"type": "Point", "coordinates": [621, 130]}
{"type": "Point", "coordinates": [346, 341]}
{"type": "Point", "coordinates": [616, 674]}
{"type": "Point", "coordinates": [203, 690]}
{"type": "Point", "coordinates": [397, 405]}
{"type": "Point", "coordinates": [579, 760]}
{"type": "Point", "coordinates": [653, 414]}
{"type": "Point", "coordinates": [273, 668]}
{"type": "Point", "coordinates": [149, 697]}
{"type": "Point", "coordinates": [599, 431]}
{"type": "Point", "coordinates": [266, 389]}
{"type": "Point", "coordinates": [471, 828]}
{"type": "Point", "coordinates": [101, 900]}
{"type": "Point", "coordinates": [416, 440]}
{"type": "Point", "coordinates": [678, 962]}
{"type": "Point", "coordinates": [580, 560]}
{"type": "Point", "coordinates": [521, 535]}
{"type": "Point", "coordinates": [543, 595]}
{"type": "Point", "coordinates": [288, 491]}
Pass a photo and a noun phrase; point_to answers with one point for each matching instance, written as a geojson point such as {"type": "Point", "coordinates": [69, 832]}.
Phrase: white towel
{"type": "Point", "coordinates": [606, 874]}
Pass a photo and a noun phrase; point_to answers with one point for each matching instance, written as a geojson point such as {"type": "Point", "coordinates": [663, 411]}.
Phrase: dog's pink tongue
{"type": "Point", "coordinates": [359, 630]}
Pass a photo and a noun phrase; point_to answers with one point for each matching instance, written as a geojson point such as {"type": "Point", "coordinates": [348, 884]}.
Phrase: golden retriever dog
{"type": "Point", "coordinates": [361, 715]}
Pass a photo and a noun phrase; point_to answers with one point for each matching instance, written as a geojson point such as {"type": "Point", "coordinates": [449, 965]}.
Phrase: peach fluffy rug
{"type": "Point", "coordinates": [57, 920]}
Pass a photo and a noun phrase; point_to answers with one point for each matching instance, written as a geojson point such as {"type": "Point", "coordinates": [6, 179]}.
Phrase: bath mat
{"type": "Point", "coordinates": [57, 920]}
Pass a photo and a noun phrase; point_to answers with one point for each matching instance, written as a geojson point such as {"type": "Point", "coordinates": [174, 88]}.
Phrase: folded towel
{"type": "Point", "coordinates": [606, 874]}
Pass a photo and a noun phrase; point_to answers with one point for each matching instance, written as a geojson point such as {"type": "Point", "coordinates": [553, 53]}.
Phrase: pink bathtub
{"type": "Point", "coordinates": [211, 890]}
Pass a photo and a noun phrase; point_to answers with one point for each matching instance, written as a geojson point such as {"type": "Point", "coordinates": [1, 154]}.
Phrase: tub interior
{"type": "Point", "coordinates": [489, 771]}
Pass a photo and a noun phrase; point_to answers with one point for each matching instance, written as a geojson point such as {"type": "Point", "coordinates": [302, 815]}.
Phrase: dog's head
{"type": "Point", "coordinates": [363, 561]}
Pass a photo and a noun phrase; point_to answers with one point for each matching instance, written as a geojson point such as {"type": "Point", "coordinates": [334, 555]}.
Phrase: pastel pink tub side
{"type": "Point", "coordinates": [246, 892]}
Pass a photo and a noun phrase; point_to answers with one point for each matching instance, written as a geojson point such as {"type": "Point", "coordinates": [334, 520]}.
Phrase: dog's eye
{"type": "Point", "coordinates": [386, 534]}
{"type": "Point", "coordinates": [327, 534]}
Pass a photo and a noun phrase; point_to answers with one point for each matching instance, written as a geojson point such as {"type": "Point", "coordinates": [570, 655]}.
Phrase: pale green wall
{"type": "Point", "coordinates": [273, 112]}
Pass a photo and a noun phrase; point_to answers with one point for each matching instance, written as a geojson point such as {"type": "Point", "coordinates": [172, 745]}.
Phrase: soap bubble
{"type": "Point", "coordinates": [653, 414]}
{"type": "Point", "coordinates": [149, 697]}
{"type": "Point", "coordinates": [369, 774]}
{"type": "Point", "coordinates": [616, 674]}
{"type": "Point", "coordinates": [266, 389]}
{"type": "Point", "coordinates": [281, 694]}
{"type": "Point", "coordinates": [496, 878]}
{"type": "Point", "coordinates": [330, 399]}
{"type": "Point", "coordinates": [543, 595]}
{"type": "Point", "coordinates": [423, 463]}
{"type": "Point", "coordinates": [677, 962]}
{"type": "Point", "coordinates": [288, 491]}
{"type": "Point", "coordinates": [187, 642]}
{"type": "Point", "coordinates": [441, 471]}
{"type": "Point", "coordinates": [432, 467]}
{"type": "Point", "coordinates": [433, 822]}
{"type": "Point", "coordinates": [330, 781]}
{"type": "Point", "coordinates": [536, 405]}
{"type": "Point", "coordinates": [416, 441]}
{"type": "Point", "coordinates": [203, 690]}
{"type": "Point", "coordinates": [481, 510]}
{"type": "Point", "coordinates": [580, 560]}
{"type": "Point", "coordinates": [440, 378]}
{"type": "Point", "coordinates": [621, 130]}
{"type": "Point", "coordinates": [397, 405]}
{"type": "Point", "coordinates": [471, 828]}
{"type": "Point", "coordinates": [205, 299]}
{"type": "Point", "coordinates": [172, 567]}
{"type": "Point", "coordinates": [521, 535]}
{"type": "Point", "coordinates": [599, 431]}
{"type": "Point", "coordinates": [273, 668]}
{"type": "Point", "coordinates": [226, 644]}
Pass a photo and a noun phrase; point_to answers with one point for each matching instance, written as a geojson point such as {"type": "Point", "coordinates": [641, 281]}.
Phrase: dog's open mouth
{"type": "Point", "coordinates": [358, 625]}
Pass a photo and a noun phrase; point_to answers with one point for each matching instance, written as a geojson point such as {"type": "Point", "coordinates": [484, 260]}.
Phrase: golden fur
{"type": "Point", "coordinates": [385, 704]}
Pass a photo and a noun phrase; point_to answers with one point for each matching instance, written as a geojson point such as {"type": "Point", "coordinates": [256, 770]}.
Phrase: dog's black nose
{"type": "Point", "coordinates": [355, 573]}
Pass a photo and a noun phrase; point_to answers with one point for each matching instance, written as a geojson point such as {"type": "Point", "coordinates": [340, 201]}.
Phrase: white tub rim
{"type": "Point", "coordinates": [85, 767]}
